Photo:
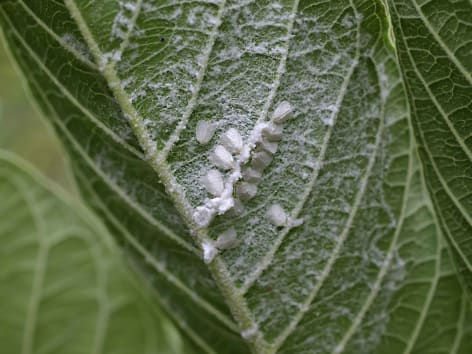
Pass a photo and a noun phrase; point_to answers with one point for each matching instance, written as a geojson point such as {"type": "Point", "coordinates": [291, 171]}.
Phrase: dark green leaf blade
{"type": "Point", "coordinates": [345, 165]}
{"type": "Point", "coordinates": [435, 53]}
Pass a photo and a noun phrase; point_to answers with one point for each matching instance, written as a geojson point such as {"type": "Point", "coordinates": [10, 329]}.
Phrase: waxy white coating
{"type": "Point", "coordinates": [222, 158]}
{"type": "Point", "coordinates": [209, 252]}
{"type": "Point", "coordinates": [272, 132]}
{"type": "Point", "coordinates": [269, 146]}
{"type": "Point", "coordinates": [260, 160]}
{"type": "Point", "coordinates": [227, 239]}
{"type": "Point", "coordinates": [204, 131]}
{"type": "Point", "coordinates": [246, 191]}
{"type": "Point", "coordinates": [282, 112]}
{"type": "Point", "coordinates": [251, 175]}
{"type": "Point", "coordinates": [232, 140]}
{"type": "Point", "coordinates": [276, 215]}
{"type": "Point", "coordinates": [213, 182]}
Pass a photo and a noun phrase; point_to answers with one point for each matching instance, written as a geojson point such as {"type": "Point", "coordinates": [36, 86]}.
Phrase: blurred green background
{"type": "Point", "coordinates": [23, 130]}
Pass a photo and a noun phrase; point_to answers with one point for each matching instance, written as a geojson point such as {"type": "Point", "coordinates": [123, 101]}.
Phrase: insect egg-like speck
{"type": "Point", "coordinates": [213, 182]}
{"type": "Point", "coordinates": [282, 112]}
{"type": "Point", "coordinates": [246, 190]}
{"type": "Point", "coordinates": [260, 160]}
{"type": "Point", "coordinates": [276, 215]}
{"type": "Point", "coordinates": [273, 132]}
{"type": "Point", "coordinates": [204, 131]}
{"type": "Point", "coordinates": [232, 140]}
{"type": "Point", "coordinates": [222, 158]}
{"type": "Point", "coordinates": [251, 175]}
{"type": "Point", "coordinates": [227, 239]}
{"type": "Point", "coordinates": [269, 146]}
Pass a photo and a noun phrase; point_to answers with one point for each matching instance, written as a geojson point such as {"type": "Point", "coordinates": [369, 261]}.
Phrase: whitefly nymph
{"type": "Point", "coordinates": [204, 131]}
{"type": "Point", "coordinates": [232, 140]}
{"type": "Point", "coordinates": [222, 158]}
{"type": "Point", "coordinates": [213, 182]}
{"type": "Point", "coordinates": [209, 251]}
{"type": "Point", "coordinates": [251, 175]}
{"type": "Point", "coordinates": [282, 112]}
{"type": "Point", "coordinates": [273, 132]}
{"type": "Point", "coordinates": [246, 191]}
{"type": "Point", "coordinates": [260, 160]}
{"type": "Point", "coordinates": [276, 215]}
{"type": "Point", "coordinates": [226, 240]}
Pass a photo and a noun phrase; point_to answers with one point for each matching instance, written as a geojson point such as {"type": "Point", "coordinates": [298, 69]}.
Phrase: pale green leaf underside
{"type": "Point", "coordinates": [63, 288]}
{"type": "Point", "coordinates": [435, 52]}
{"type": "Point", "coordinates": [125, 84]}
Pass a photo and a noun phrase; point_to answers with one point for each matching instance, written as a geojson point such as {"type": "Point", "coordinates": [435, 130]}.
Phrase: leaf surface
{"type": "Point", "coordinates": [126, 95]}
{"type": "Point", "coordinates": [435, 53]}
{"type": "Point", "coordinates": [63, 286]}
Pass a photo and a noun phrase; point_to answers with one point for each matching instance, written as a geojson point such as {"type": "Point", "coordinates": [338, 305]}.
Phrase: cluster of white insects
{"type": "Point", "coordinates": [229, 157]}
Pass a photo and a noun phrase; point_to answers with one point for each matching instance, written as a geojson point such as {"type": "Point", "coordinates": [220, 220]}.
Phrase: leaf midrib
{"type": "Point", "coordinates": [220, 274]}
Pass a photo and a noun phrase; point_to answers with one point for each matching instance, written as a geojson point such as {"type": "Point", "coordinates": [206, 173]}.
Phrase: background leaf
{"type": "Point", "coordinates": [63, 286]}
{"type": "Point", "coordinates": [435, 53]}
{"type": "Point", "coordinates": [125, 85]}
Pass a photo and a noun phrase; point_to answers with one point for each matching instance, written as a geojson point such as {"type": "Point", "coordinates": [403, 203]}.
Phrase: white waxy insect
{"type": "Point", "coordinates": [232, 140]}
{"type": "Point", "coordinates": [227, 239]}
{"type": "Point", "coordinates": [246, 191]}
{"type": "Point", "coordinates": [252, 176]}
{"type": "Point", "coordinates": [282, 112]}
{"type": "Point", "coordinates": [269, 146]}
{"type": "Point", "coordinates": [222, 158]}
{"type": "Point", "coordinates": [209, 252]}
{"type": "Point", "coordinates": [260, 160]}
{"type": "Point", "coordinates": [273, 132]}
{"type": "Point", "coordinates": [213, 182]}
{"type": "Point", "coordinates": [276, 215]}
{"type": "Point", "coordinates": [205, 131]}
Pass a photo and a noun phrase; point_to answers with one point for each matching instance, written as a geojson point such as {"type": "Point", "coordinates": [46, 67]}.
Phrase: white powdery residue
{"type": "Point", "coordinates": [250, 333]}
{"type": "Point", "coordinates": [212, 20]}
{"type": "Point", "coordinates": [130, 6]}
{"type": "Point", "coordinates": [333, 109]}
{"type": "Point", "coordinates": [122, 21]}
{"type": "Point", "coordinates": [204, 131]}
{"type": "Point", "coordinates": [70, 40]}
{"type": "Point", "coordinates": [139, 94]}
{"type": "Point", "coordinates": [126, 82]}
{"type": "Point", "coordinates": [209, 252]}
{"type": "Point", "coordinates": [148, 7]}
{"type": "Point", "coordinates": [204, 214]}
{"type": "Point", "coordinates": [114, 56]}
{"type": "Point", "coordinates": [291, 223]}
{"type": "Point", "coordinates": [178, 11]}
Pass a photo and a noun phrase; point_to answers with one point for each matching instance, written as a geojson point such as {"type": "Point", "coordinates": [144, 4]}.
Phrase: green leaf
{"type": "Point", "coordinates": [63, 287]}
{"type": "Point", "coordinates": [359, 267]}
{"type": "Point", "coordinates": [435, 53]}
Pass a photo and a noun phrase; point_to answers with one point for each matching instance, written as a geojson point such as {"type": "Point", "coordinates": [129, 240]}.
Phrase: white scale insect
{"type": "Point", "coordinates": [205, 131]}
{"type": "Point", "coordinates": [222, 158]}
{"type": "Point", "coordinates": [276, 215]}
{"type": "Point", "coordinates": [283, 112]}
{"type": "Point", "coordinates": [213, 182]}
{"type": "Point", "coordinates": [231, 143]}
